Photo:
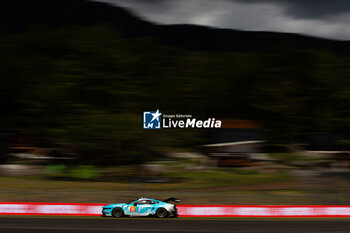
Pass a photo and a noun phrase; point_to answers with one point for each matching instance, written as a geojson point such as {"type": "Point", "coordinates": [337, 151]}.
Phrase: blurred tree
{"type": "Point", "coordinates": [86, 87]}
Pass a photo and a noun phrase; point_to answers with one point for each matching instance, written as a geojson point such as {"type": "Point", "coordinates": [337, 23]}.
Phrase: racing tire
{"type": "Point", "coordinates": [117, 212]}
{"type": "Point", "coordinates": [161, 213]}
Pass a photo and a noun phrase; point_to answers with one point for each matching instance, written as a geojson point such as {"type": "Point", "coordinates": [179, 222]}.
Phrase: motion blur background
{"type": "Point", "coordinates": [76, 76]}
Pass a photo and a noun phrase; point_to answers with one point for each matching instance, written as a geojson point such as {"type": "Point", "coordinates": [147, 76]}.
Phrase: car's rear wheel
{"type": "Point", "coordinates": [161, 213]}
{"type": "Point", "coordinates": [117, 212]}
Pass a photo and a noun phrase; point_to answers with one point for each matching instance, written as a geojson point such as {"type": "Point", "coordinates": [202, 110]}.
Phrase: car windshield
{"type": "Point", "coordinates": [131, 201]}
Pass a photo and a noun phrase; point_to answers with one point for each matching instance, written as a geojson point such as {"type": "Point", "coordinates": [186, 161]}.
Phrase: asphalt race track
{"type": "Point", "coordinates": [40, 225]}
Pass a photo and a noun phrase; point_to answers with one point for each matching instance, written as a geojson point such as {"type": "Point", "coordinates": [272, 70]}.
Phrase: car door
{"type": "Point", "coordinates": [143, 208]}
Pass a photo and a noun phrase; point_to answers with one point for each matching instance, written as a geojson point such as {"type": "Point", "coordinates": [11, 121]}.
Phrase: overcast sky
{"type": "Point", "coordinates": [323, 18]}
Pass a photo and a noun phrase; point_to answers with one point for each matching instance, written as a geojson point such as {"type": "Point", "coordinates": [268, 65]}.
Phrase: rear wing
{"type": "Point", "coordinates": [172, 199]}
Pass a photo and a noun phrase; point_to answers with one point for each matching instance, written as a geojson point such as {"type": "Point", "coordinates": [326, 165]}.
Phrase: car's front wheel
{"type": "Point", "coordinates": [117, 212]}
{"type": "Point", "coordinates": [161, 213]}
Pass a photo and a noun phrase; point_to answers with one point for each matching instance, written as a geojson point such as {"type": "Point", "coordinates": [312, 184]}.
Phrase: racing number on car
{"type": "Point", "coordinates": [132, 209]}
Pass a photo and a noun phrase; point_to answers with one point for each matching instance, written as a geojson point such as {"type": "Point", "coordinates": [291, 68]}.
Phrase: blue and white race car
{"type": "Point", "coordinates": [142, 207]}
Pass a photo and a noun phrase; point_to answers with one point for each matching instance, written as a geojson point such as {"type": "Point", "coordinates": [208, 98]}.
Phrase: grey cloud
{"type": "Point", "coordinates": [324, 18]}
{"type": "Point", "coordinates": [312, 9]}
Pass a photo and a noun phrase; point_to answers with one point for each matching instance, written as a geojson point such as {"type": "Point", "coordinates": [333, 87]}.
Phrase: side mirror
{"type": "Point", "coordinates": [135, 204]}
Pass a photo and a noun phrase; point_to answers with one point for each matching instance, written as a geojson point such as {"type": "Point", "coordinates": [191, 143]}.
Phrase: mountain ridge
{"type": "Point", "coordinates": [18, 15]}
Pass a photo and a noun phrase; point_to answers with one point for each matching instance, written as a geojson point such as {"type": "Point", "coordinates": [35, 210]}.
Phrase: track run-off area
{"type": "Point", "coordinates": [93, 209]}
{"type": "Point", "coordinates": [11, 224]}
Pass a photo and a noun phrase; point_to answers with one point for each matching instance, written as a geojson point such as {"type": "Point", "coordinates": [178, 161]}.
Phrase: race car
{"type": "Point", "coordinates": [142, 207]}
